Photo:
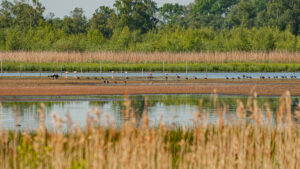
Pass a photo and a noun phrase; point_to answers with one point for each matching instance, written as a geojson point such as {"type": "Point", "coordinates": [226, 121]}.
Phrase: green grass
{"type": "Point", "coordinates": [169, 67]}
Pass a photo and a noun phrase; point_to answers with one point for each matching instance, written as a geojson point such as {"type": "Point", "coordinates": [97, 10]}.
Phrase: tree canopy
{"type": "Point", "coordinates": [142, 25]}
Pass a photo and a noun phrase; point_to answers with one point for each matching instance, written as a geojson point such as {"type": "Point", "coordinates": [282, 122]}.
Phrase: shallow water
{"type": "Point", "coordinates": [145, 74]}
{"type": "Point", "coordinates": [169, 109]}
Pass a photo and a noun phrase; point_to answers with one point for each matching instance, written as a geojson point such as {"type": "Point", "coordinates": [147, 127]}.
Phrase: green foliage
{"type": "Point", "coordinates": [136, 14]}
{"type": "Point", "coordinates": [103, 20]}
{"type": "Point", "coordinates": [243, 14]}
{"type": "Point", "coordinates": [170, 12]}
{"type": "Point", "coordinates": [132, 25]}
{"type": "Point", "coordinates": [154, 66]}
{"type": "Point", "coordinates": [95, 40]}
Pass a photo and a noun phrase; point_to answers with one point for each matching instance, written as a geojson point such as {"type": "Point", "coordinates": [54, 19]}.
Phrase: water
{"type": "Point", "coordinates": [145, 74]}
{"type": "Point", "coordinates": [169, 109]}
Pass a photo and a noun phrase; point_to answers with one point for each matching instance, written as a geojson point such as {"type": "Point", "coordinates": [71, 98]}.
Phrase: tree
{"type": "Point", "coordinates": [213, 7]}
{"type": "Point", "coordinates": [283, 14]}
{"type": "Point", "coordinates": [6, 14]}
{"type": "Point", "coordinates": [102, 21]}
{"type": "Point", "coordinates": [136, 14]}
{"type": "Point", "coordinates": [26, 15]}
{"type": "Point", "coordinates": [210, 13]}
{"type": "Point", "coordinates": [170, 12]}
{"type": "Point", "coordinates": [243, 14]}
{"type": "Point", "coordinates": [79, 21]}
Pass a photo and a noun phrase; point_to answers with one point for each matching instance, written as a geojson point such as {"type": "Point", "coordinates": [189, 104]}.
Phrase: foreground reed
{"type": "Point", "coordinates": [249, 140]}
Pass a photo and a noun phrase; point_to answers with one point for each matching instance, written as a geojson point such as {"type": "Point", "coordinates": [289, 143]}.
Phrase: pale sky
{"type": "Point", "coordinates": [63, 7]}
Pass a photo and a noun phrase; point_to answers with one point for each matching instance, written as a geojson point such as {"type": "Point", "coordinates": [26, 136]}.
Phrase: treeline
{"type": "Point", "coordinates": [139, 25]}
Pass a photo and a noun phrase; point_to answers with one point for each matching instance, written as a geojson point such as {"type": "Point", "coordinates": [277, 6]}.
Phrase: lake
{"type": "Point", "coordinates": [176, 110]}
{"type": "Point", "coordinates": [217, 75]}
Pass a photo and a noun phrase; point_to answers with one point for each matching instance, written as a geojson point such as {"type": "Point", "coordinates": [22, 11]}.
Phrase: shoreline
{"type": "Point", "coordinates": [70, 87]}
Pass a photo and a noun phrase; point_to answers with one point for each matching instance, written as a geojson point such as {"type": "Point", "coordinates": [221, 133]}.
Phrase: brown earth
{"type": "Point", "coordinates": [45, 87]}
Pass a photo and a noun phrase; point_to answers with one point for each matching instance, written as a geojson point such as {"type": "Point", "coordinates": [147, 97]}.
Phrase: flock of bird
{"type": "Point", "coordinates": [150, 76]}
{"type": "Point", "coordinates": [263, 77]}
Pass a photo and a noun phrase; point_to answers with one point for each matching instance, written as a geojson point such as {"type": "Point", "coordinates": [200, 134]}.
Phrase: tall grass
{"type": "Point", "coordinates": [231, 143]}
{"type": "Point", "coordinates": [135, 57]}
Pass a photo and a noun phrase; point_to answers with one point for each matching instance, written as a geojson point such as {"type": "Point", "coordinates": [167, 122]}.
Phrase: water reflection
{"type": "Point", "coordinates": [169, 109]}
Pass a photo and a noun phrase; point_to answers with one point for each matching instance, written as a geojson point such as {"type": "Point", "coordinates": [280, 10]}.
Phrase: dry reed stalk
{"type": "Point", "coordinates": [135, 57]}
{"type": "Point", "coordinates": [230, 145]}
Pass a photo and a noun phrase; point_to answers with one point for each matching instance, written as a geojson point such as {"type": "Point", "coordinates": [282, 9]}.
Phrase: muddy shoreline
{"type": "Point", "coordinates": [82, 87]}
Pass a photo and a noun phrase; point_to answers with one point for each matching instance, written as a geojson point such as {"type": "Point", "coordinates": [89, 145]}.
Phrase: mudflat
{"type": "Point", "coordinates": [58, 87]}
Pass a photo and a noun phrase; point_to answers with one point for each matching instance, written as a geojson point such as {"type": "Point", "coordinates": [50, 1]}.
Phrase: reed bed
{"type": "Point", "coordinates": [134, 57]}
{"type": "Point", "coordinates": [227, 144]}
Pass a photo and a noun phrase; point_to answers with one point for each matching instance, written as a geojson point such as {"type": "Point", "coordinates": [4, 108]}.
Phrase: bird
{"type": "Point", "coordinates": [227, 78]}
{"type": "Point", "coordinates": [178, 77]}
{"type": "Point", "coordinates": [195, 78]}
{"type": "Point", "coordinates": [54, 76]}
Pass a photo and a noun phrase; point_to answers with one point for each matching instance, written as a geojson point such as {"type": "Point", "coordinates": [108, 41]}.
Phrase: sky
{"type": "Point", "coordinates": [62, 8]}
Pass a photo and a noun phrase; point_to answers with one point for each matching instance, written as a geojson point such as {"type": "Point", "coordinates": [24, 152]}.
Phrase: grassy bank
{"type": "Point", "coordinates": [155, 66]}
{"type": "Point", "coordinates": [226, 144]}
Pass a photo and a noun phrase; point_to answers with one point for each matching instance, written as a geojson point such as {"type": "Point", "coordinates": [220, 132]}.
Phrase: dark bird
{"type": "Point", "coordinates": [178, 77]}
{"type": "Point", "coordinates": [54, 76]}
{"type": "Point", "coordinates": [195, 78]}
